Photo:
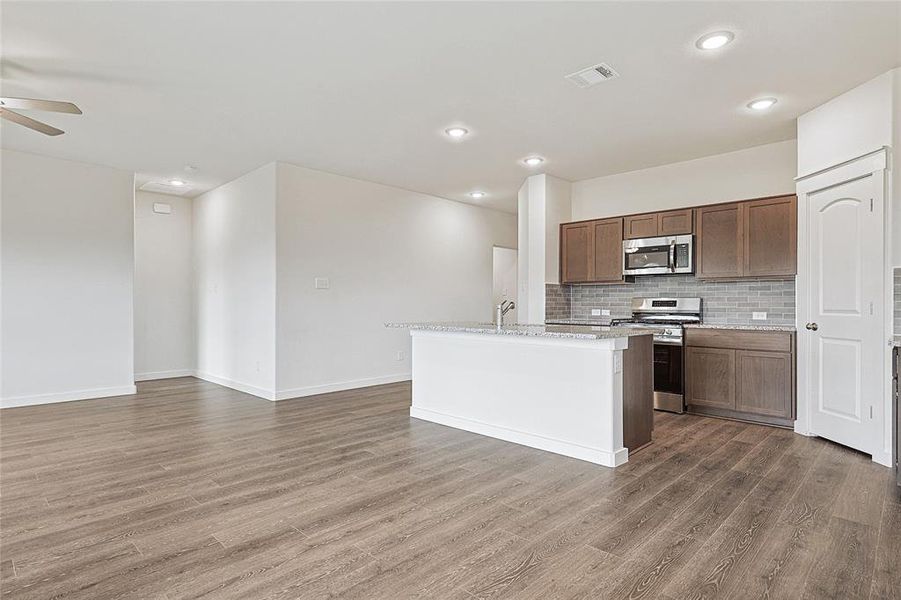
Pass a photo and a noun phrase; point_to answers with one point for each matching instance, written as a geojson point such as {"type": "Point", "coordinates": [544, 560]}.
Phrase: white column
{"type": "Point", "coordinates": [544, 203]}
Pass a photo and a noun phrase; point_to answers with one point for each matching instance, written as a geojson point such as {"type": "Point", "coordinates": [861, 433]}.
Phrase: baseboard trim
{"type": "Point", "coordinates": [340, 386]}
{"type": "Point", "coordinates": [236, 385]}
{"type": "Point", "coordinates": [592, 455]}
{"type": "Point", "coordinates": [153, 375]}
{"type": "Point", "coordinates": [71, 396]}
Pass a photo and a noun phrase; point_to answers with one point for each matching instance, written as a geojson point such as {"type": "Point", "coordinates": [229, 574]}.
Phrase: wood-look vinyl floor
{"type": "Point", "coordinates": [192, 490]}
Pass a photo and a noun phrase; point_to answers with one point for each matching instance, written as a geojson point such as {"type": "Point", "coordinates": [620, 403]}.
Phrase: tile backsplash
{"type": "Point", "coordinates": [724, 302]}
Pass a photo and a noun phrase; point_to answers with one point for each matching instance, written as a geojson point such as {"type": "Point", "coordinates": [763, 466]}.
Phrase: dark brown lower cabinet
{"type": "Point", "coordinates": [710, 377]}
{"type": "Point", "coordinates": [747, 375]}
{"type": "Point", "coordinates": [763, 382]}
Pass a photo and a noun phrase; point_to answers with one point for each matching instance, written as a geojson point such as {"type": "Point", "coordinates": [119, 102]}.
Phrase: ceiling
{"type": "Point", "coordinates": [367, 89]}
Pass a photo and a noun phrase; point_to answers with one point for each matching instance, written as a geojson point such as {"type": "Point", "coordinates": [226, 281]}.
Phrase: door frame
{"type": "Point", "coordinates": [872, 165]}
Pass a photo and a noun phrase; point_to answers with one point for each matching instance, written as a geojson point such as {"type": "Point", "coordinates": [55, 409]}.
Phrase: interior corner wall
{"type": "Point", "coordinates": [234, 266]}
{"type": "Point", "coordinates": [756, 172]}
{"type": "Point", "coordinates": [164, 288]}
{"type": "Point", "coordinates": [388, 255]}
{"type": "Point", "coordinates": [67, 264]}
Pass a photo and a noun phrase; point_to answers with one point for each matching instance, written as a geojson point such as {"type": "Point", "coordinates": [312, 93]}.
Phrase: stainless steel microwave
{"type": "Point", "coordinates": [659, 255]}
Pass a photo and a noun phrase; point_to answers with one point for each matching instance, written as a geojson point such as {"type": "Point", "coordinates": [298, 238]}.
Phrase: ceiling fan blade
{"type": "Point", "coordinates": [35, 104]}
{"type": "Point", "coordinates": [29, 122]}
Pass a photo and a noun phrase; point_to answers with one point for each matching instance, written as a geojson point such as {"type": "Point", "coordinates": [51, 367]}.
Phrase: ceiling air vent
{"type": "Point", "coordinates": [166, 188]}
{"type": "Point", "coordinates": [592, 75]}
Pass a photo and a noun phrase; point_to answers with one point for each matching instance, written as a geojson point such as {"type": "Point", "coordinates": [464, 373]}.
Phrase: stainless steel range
{"type": "Point", "coordinates": [668, 314]}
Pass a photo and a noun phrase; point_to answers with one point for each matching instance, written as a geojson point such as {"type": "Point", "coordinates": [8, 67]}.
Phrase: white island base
{"type": "Point", "coordinates": [560, 394]}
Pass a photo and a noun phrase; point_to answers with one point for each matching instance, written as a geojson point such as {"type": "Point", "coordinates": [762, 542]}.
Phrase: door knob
{"type": "Point", "coordinates": [812, 326]}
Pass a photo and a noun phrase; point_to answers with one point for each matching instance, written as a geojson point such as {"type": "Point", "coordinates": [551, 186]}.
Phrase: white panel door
{"type": "Point", "coordinates": [845, 312]}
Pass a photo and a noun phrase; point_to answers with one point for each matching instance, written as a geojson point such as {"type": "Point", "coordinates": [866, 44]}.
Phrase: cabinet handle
{"type": "Point", "coordinates": [812, 326]}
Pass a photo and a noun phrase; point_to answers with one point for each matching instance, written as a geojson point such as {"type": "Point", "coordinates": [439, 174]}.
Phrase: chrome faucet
{"type": "Point", "coordinates": [502, 309]}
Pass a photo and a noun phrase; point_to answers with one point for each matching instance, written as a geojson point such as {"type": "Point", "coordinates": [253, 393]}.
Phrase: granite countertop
{"type": "Point", "coordinates": [741, 327]}
{"type": "Point", "coordinates": [580, 332]}
{"type": "Point", "coordinates": [582, 322]}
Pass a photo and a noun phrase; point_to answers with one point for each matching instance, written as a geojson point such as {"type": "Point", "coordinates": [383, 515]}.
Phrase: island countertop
{"type": "Point", "coordinates": [581, 332]}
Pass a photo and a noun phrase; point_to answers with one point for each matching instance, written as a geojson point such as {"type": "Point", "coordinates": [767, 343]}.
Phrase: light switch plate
{"type": "Point", "coordinates": [758, 316]}
{"type": "Point", "coordinates": [605, 312]}
{"type": "Point", "coordinates": [320, 283]}
{"type": "Point", "coordinates": [595, 312]}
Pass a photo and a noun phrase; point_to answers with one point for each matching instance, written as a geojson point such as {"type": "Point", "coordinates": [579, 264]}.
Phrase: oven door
{"type": "Point", "coordinates": [668, 376]}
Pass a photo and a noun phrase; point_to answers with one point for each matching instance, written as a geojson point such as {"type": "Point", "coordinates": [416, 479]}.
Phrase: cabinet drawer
{"type": "Point", "coordinates": [769, 341]}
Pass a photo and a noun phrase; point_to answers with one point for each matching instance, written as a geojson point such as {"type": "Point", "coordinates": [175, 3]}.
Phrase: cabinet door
{"type": "Point", "coordinates": [764, 383]}
{"type": "Point", "coordinates": [640, 226]}
{"type": "Point", "coordinates": [771, 237]}
{"type": "Point", "coordinates": [576, 252]}
{"type": "Point", "coordinates": [719, 241]}
{"type": "Point", "coordinates": [675, 222]}
{"type": "Point", "coordinates": [608, 250]}
{"type": "Point", "coordinates": [710, 377]}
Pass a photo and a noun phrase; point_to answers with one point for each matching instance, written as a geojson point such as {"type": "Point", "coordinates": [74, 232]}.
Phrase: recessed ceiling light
{"type": "Point", "coordinates": [456, 132]}
{"type": "Point", "coordinates": [476, 195]}
{"type": "Point", "coordinates": [533, 161]}
{"type": "Point", "coordinates": [761, 103]}
{"type": "Point", "coordinates": [715, 40]}
{"type": "Point", "coordinates": [176, 182]}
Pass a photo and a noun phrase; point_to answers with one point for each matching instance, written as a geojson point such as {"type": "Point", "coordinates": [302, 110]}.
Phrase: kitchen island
{"type": "Point", "coordinates": [583, 392]}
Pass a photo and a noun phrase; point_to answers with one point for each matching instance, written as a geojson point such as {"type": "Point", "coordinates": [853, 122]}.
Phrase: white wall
{"type": "Point", "coordinates": [558, 209]}
{"type": "Point", "coordinates": [858, 122]}
{"type": "Point", "coordinates": [389, 255]}
{"type": "Point", "coordinates": [67, 277]}
{"type": "Point", "coordinates": [756, 172]}
{"type": "Point", "coordinates": [504, 269]}
{"type": "Point", "coordinates": [522, 264]}
{"type": "Point", "coordinates": [234, 263]}
{"type": "Point", "coordinates": [164, 284]}
{"type": "Point", "coordinates": [855, 123]}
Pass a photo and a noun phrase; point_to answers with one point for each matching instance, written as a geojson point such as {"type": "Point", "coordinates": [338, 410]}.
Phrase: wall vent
{"type": "Point", "coordinates": [593, 75]}
{"type": "Point", "coordinates": [164, 188]}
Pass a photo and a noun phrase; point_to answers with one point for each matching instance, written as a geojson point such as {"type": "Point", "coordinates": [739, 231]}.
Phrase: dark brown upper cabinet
{"type": "Point", "coordinates": [576, 252]}
{"type": "Point", "coordinates": [771, 237]}
{"type": "Point", "coordinates": [608, 250]}
{"type": "Point", "coordinates": [748, 239]}
{"type": "Point", "coordinates": [591, 251]}
{"type": "Point", "coordinates": [675, 222]}
{"type": "Point", "coordinates": [719, 241]}
{"type": "Point", "coordinates": [640, 226]}
{"type": "Point", "coordinates": [671, 222]}
{"type": "Point", "coordinates": [757, 238]}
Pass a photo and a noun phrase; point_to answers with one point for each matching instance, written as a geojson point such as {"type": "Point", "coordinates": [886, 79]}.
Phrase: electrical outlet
{"type": "Point", "coordinates": [618, 362]}
{"type": "Point", "coordinates": [605, 312]}
{"type": "Point", "coordinates": [320, 283]}
{"type": "Point", "coordinates": [595, 312]}
{"type": "Point", "coordinates": [758, 316]}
